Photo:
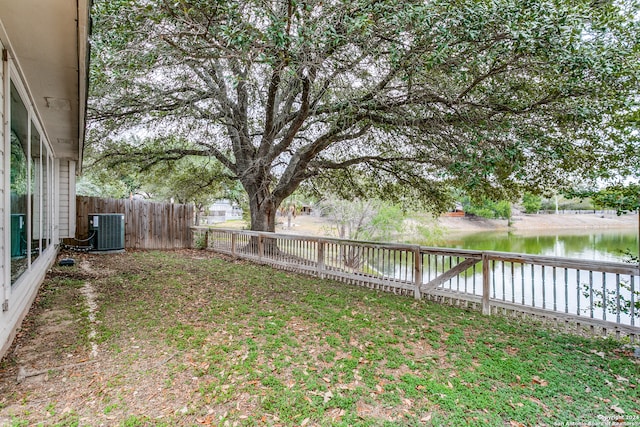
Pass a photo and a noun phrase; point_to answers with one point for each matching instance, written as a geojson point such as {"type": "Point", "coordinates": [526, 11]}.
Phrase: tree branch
{"type": "Point", "coordinates": [295, 126]}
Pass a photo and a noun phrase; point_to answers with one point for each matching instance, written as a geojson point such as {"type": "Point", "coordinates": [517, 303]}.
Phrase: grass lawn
{"type": "Point", "coordinates": [190, 338]}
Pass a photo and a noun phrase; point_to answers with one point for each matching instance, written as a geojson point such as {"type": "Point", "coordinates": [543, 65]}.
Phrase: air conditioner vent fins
{"type": "Point", "coordinates": [107, 231]}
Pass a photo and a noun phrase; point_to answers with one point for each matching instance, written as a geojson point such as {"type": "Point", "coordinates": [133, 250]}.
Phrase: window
{"type": "Point", "coordinates": [19, 185]}
{"type": "Point", "coordinates": [36, 193]}
{"type": "Point", "coordinates": [47, 199]}
{"type": "Point", "coordinates": [31, 186]}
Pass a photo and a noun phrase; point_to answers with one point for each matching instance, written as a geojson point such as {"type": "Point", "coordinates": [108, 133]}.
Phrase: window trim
{"type": "Point", "coordinates": [11, 74]}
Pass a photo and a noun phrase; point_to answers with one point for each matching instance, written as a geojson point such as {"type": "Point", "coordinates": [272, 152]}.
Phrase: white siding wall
{"type": "Point", "coordinates": [4, 274]}
{"type": "Point", "coordinates": [51, 74]}
{"type": "Point", "coordinates": [5, 278]}
{"type": "Point", "coordinates": [67, 202]}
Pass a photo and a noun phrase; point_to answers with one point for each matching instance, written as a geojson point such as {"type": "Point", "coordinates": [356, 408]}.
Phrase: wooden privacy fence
{"type": "Point", "coordinates": [599, 297]}
{"type": "Point", "coordinates": [148, 225]}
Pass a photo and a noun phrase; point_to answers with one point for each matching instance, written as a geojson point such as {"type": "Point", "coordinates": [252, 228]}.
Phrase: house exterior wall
{"type": "Point", "coordinates": [4, 275]}
{"type": "Point", "coordinates": [19, 287]}
{"type": "Point", "coordinates": [67, 205]}
{"type": "Point", "coordinates": [221, 211]}
{"type": "Point", "coordinates": [39, 201]}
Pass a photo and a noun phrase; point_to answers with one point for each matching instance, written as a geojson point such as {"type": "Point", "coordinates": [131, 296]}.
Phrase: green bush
{"type": "Point", "coordinates": [531, 203]}
{"type": "Point", "coordinates": [486, 208]}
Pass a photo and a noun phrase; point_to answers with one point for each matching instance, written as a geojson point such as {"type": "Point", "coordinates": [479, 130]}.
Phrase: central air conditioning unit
{"type": "Point", "coordinates": [18, 235]}
{"type": "Point", "coordinates": [106, 232]}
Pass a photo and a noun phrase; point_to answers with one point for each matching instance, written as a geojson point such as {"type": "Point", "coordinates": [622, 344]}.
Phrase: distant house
{"type": "Point", "coordinates": [221, 211]}
{"type": "Point", "coordinates": [42, 104]}
{"type": "Point", "coordinates": [458, 211]}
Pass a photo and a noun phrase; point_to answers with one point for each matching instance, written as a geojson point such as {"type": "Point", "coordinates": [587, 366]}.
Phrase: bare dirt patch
{"type": "Point", "coordinates": [54, 372]}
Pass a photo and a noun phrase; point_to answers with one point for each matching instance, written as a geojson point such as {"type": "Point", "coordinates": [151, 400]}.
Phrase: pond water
{"type": "Point", "coordinates": [594, 244]}
{"type": "Point", "coordinates": [562, 290]}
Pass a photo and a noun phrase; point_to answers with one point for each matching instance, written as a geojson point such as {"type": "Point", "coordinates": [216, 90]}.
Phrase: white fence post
{"type": "Point", "coordinates": [486, 290]}
{"type": "Point", "coordinates": [233, 244]}
{"type": "Point", "coordinates": [417, 272]}
{"type": "Point", "coordinates": [260, 246]}
{"type": "Point", "coordinates": [320, 262]}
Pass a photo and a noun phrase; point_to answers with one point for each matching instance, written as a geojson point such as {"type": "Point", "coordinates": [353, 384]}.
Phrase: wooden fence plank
{"type": "Point", "coordinates": [148, 225]}
{"type": "Point", "coordinates": [449, 274]}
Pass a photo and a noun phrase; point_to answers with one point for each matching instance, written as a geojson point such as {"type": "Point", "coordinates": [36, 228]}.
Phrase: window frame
{"type": "Point", "coordinates": [12, 77]}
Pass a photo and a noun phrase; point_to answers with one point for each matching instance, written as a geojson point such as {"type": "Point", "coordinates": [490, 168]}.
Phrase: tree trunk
{"type": "Point", "coordinates": [265, 201]}
{"type": "Point", "coordinates": [263, 215]}
{"type": "Point", "coordinates": [263, 218]}
{"type": "Point", "coordinates": [198, 208]}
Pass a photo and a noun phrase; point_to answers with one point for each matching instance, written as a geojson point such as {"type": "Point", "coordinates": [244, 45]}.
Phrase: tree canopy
{"type": "Point", "coordinates": [399, 99]}
{"type": "Point", "coordinates": [186, 179]}
{"type": "Point", "coordinates": [623, 198]}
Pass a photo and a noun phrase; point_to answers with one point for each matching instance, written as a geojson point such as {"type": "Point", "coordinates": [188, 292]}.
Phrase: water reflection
{"type": "Point", "coordinates": [604, 245]}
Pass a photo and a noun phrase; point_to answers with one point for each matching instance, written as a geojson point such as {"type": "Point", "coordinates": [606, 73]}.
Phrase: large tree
{"type": "Point", "coordinates": [393, 98]}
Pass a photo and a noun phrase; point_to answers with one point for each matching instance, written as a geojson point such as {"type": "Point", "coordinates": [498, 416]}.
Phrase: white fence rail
{"type": "Point", "coordinates": [598, 296]}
